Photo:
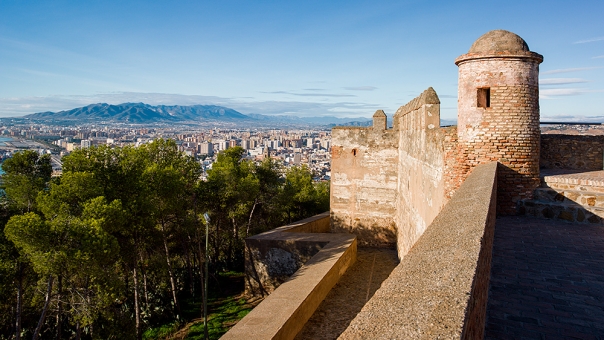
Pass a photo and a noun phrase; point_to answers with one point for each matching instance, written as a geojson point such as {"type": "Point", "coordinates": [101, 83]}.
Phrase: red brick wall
{"type": "Point", "coordinates": [507, 131]}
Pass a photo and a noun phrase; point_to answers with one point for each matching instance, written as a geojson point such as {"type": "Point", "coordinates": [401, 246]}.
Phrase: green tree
{"type": "Point", "coordinates": [170, 178]}
{"type": "Point", "coordinates": [301, 197]}
{"type": "Point", "coordinates": [26, 174]}
{"type": "Point", "coordinates": [70, 243]}
{"type": "Point", "coordinates": [229, 194]}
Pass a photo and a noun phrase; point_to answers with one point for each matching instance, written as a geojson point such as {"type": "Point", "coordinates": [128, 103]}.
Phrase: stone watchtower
{"type": "Point", "coordinates": [498, 113]}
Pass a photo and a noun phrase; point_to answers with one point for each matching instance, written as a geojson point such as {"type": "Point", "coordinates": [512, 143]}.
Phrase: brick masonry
{"type": "Point", "coordinates": [508, 130]}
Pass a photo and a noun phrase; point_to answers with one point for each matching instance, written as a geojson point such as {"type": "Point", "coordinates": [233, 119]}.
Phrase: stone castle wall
{"type": "Point", "coordinates": [421, 168]}
{"type": "Point", "coordinates": [572, 152]}
{"type": "Point", "coordinates": [364, 183]}
{"type": "Point", "coordinates": [388, 185]}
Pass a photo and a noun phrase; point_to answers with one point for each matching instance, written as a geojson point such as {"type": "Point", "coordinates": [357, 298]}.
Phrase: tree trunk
{"type": "Point", "coordinates": [249, 221]}
{"type": "Point", "coordinates": [44, 309]}
{"type": "Point", "coordinates": [19, 301]}
{"type": "Point", "coordinates": [170, 272]}
{"type": "Point", "coordinates": [201, 272]}
{"type": "Point", "coordinates": [78, 331]}
{"type": "Point", "coordinates": [137, 316]}
{"type": "Point", "coordinates": [59, 306]}
{"type": "Point", "coordinates": [145, 290]}
{"type": "Point", "coordinates": [190, 270]}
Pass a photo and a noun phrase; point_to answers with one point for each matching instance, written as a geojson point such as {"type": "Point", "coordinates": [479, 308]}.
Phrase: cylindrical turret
{"type": "Point", "coordinates": [498, 113]}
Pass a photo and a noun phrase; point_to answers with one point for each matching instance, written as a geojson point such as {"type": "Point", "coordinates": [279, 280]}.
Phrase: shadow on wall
{"type": "Point", "coordinates": [381, 233]}
{"type": "Point", "coordinates": [269, 263]}
{"type": "Point", "coordinates": [512, 188]}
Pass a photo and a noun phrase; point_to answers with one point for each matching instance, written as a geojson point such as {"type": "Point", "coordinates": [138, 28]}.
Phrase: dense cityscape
{"type": "Point", "coordinates": [289, 147]}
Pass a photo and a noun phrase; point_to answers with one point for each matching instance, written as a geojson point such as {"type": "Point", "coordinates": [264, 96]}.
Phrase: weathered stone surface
{"type": "Point", "coordinates": [388, 185]}
{"type": "Point", "coordinates": [421, 168]}
{"type": "Point", "coordinates": [499, 41]}
{"type": "Point", "coordinates": [272, 257]}
{"type": "Point", "coordinates": [363, 184]}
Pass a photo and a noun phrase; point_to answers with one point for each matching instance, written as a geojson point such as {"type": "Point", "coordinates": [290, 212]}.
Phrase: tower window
{"type": "Point", "coordinates": [484, 97]}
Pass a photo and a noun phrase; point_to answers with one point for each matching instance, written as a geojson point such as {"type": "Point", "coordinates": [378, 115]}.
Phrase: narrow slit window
{"type": "Point", "coordinates": [354, 152]}
{"type": "Point", "coordinates": [484, 97]}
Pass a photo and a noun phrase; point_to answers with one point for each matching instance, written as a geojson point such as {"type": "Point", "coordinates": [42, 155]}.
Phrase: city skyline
{"type": "Point", "coordinates": [343, 59]}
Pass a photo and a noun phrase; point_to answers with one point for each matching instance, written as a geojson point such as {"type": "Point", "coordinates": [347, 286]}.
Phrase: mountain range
{"type": "Point", "coordinates": [141, 113]}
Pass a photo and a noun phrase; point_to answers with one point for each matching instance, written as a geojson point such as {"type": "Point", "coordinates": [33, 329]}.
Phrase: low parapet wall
{"type": "Point", "coordinates": [284, 312]}
{"type": "Point", "coordinates": [272, 257]}
{"type": "Point", "coordinates": [572, 152]}
{"type": "Point", "coordinates": [440, 288]}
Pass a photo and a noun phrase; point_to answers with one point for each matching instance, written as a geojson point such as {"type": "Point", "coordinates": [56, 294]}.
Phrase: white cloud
{"type": "Point", "coordinates": [334, 95]}
{"type": "Point", "coordinates": [567, 70]}
{"type": "Point", "coordinates": [589, 40]}
{"type": "Point", "coordinates": [361, 88]}
{"type": "Point", "coordinates": [549, 93]}
{"type": "Point", "coordinates": [598, 57]}
{"type": "Point", "coordinates": [561, 81]}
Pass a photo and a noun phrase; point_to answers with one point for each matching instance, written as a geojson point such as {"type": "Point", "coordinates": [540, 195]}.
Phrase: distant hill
{"type": "Point", "coordinates": [143, 113]}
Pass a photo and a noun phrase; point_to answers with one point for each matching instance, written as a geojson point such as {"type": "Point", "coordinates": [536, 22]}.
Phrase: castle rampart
{"type": "Point", "coordinates": [389, 184]}
{"type": "Point", "coordinates": [421, 167]}
{"type": "Point", "coordinates": [369, 197]}
{"type": "Point", "coordinates": [434, 192]}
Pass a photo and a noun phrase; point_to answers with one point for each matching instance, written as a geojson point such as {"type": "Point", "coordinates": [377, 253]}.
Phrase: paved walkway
{"type": "Point", "coordinates": [547, 280]}
{"type": "Point", "coordinates": [350, 294]}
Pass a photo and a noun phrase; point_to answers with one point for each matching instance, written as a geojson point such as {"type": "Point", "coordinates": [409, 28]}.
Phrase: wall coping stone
{"type": "Point", "coordinates": [429, 96]}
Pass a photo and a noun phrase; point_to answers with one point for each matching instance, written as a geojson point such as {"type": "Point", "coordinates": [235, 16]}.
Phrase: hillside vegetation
{"type": "Point", "coordinates": [116, 245]}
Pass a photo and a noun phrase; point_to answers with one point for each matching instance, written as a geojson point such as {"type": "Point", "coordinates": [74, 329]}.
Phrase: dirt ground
{"type": "Point", "coordinates": [348, 296]}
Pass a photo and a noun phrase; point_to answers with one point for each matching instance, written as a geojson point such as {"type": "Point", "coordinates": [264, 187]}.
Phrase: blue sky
{"type": "Point", "coordinates": [305, 58]}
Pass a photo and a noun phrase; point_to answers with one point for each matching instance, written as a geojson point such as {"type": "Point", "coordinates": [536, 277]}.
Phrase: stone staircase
{"type": "Point", "coordinates": [573, 197]}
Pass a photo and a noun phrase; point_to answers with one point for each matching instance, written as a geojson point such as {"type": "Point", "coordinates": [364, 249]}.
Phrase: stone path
{"type": "Point", "coordinates": [350, 294]}
{"type": "Point", "coordinates": [547, 280]}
